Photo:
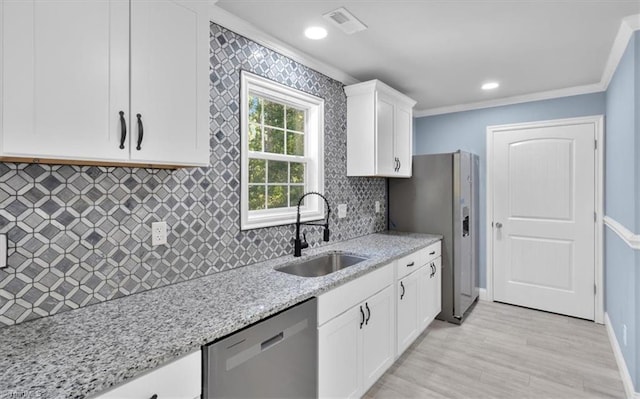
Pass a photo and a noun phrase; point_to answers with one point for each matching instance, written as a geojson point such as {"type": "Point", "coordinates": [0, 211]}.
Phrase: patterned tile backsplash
{"type": "Point", "coordinates": [81, 235]}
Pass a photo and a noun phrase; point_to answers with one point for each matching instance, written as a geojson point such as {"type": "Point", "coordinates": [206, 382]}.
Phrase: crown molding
{"type": "Point", "coordinates": [628, 26]}
{"type": "Point", "coordinates": [525, 98]}
{"type": "Point", "coordinates": [244, 28]}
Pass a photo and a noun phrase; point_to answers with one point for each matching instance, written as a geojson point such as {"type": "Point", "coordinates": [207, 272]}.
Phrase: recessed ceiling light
{"type": "Point", "coordinates": [490, 85]}
{"type": "Point", "coordinates": [315, 32]}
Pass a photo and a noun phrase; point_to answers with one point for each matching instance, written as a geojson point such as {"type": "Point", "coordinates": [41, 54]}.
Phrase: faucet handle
{"type": "Point", "coordinates": [304, 243]}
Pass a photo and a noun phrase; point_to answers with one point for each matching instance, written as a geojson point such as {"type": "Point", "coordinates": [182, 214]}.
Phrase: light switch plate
{"type": "Point", "coordinates": [3, 250]}
{"type": "Point", "coordinates": [158, 233]}
{"type": "Point", "coordinates": [377, 206]}
{"type": "Point", "coordinates": [342, 211]}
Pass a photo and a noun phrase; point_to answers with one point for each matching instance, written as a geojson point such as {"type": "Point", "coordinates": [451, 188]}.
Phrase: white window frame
{"type": "Point", "coordinates": [313, 208]}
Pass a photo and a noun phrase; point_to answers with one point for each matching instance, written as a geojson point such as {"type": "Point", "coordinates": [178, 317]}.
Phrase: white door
{"type": "Point", "coordinates": [544, 227]}
{"type": "Point", "coordinates": [339, 351]}
{"type": "Point", "coordinates": [169, 81]}
{"type": "Point", "coordinates": [66, 78]}
{"type": "Point", "coordinates": [377, 337]}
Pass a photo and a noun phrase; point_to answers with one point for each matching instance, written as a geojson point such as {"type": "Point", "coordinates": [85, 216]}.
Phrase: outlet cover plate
{"type": "Point", "coordinates": [342, 211]}
{"type": "Point", "coordinates": [3, 250]}
{"type": "Point", "coordinates": [158, 233]}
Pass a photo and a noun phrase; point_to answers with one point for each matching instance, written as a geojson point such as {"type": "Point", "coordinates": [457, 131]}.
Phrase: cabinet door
{"type": "Point", "coordinates": [425, 296]}
{"type": "Point", "coordinates": [407, 310]}
{"type": "Point", "coordinates": [435, 289]}
{"type": "Point", "coordinates": [65, 72]}
{"type": "Point", "coordinates": [403, 139]}
{"type": "Point", "coordinates": [339, 348]}
{"type": "Point", "coordinates": [385, 159]}
{"type": "Point", "coordinates": [169, 81]}
{"type": "Point", "coordinates": [377, 337]}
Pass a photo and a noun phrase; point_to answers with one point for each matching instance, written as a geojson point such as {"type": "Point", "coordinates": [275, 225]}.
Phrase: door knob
{"type": "Point", "coordinates": [498, 225]}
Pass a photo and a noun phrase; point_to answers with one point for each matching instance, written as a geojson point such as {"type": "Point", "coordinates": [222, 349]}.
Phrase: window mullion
{"type": "Point", "coordinates": [277, 157]}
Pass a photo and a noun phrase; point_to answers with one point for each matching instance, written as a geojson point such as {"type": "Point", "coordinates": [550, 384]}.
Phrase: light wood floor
{"type": "Point", "coordinates": [504, 351]}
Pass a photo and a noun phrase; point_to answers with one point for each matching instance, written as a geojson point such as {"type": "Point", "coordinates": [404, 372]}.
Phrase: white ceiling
{"type": "Point", "coordinates": [439, 52]}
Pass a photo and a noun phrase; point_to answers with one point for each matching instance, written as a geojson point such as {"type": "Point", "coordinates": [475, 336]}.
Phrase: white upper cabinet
{"type": "Point", "coordinates": [379, 130]}
{"type": "Point", "coordinates": [170, 81]}
{"type": "Point", "coordinates": [65, 78]}
{"type": "Point", "coordinates": [71, 68]}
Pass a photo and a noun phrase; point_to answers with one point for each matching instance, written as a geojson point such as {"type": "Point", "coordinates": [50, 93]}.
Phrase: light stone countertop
{"type": "Point", "coordinates": [79, 353]}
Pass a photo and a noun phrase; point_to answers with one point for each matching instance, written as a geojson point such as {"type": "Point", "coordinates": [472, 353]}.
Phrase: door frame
{"type": "Point", "coordinates": [598, 122]}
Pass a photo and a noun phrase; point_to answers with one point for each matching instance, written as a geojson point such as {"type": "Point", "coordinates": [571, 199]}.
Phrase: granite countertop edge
{"type": "Point", "coordinates": [135, 334]}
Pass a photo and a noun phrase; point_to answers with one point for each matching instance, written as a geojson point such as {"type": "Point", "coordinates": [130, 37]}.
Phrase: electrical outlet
{"type": "Point", "coordinates": [377, 206]}
{"type": "Point", "coordinates": [3, 250]}
{"type": "Point", "coordinates": [342, 211]}
{"type": "Point", "coordinates": [158, 233]}
{"type": "Point", "coordinates": [624, 334]}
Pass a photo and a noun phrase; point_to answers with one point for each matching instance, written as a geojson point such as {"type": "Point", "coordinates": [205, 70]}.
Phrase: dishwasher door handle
{"type": "Point", "coordinates": [272, 341]}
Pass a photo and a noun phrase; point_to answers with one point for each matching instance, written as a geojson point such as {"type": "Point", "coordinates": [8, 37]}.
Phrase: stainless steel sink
{"type": "Point", "coordinates": [322, 265]}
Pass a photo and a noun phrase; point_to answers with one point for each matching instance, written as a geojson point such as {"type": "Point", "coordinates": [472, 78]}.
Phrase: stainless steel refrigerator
{"type": "Point", "coordinates": [441, 197]}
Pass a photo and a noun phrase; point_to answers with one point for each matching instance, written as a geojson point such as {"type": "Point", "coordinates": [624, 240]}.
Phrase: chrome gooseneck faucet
{"type": "Point", "coordinates": [298, 244]}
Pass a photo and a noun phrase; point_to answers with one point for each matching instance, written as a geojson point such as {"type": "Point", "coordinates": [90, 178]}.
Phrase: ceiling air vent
{"type": "Point", "coordinates": [344, 20]}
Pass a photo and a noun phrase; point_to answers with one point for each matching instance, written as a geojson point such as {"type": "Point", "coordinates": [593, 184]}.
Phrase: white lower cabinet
{"type": "Point", "coordinates": [181, 379]}
{"type": "Point", "coordinates": [377, 337]}
{"type": "Point", "coordinates": [356, 347]}
{"type": "Point", "coordinates": [407, 297]}
{"type": "Point", "coordinates": [418, 294]}
{"type": "Point", "coordinates": [430, 282]}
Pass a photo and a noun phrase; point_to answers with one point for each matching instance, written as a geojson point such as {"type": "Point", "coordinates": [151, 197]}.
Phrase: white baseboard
{"type": "Point", "coordinates": [622, 365]}
{"type": "Point", "coordinates": [483, 294]}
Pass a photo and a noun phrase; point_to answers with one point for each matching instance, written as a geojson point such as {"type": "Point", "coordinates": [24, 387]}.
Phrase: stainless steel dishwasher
{"type": "Point", "coordinates": [274, 358]}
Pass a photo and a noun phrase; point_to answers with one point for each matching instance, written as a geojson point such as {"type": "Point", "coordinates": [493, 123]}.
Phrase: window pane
{"type": "Point", "coordinates": [297, 172]}
{"type": "Point", "coordinates": [255, 138]}
{"type": "Point", "coordinates": [277, 197]}
{"type": "Point", "coordinates": [255, 110]}
{"type": "Point", "coordinates": [295, 192]}
{"type": "Point", "coordinates": [273, 114]}
{"type": "Point", "coordinates": [257, 170]}
{"type": "Point", "coordinates": [256, 197]}
{"type": "Point", "coordinates": [295, 144]}
{"type": "Point", "coordinates": [274, 141]}
{"type": "Point", "coordinates": [277, 172]}
{"type": "Point", "coordinates": [295, 119]}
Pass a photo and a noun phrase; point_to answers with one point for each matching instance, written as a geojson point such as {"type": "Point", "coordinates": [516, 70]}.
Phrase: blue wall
{"type": "Point", "coordinates": [467, 131]}
{"type": "Point", "coordinates": [621, 106]}
{"type": "Point", "coordinates": [622, 202]}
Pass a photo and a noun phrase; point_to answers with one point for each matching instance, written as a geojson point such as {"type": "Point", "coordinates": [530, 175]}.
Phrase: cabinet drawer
{"type": "Point", "coordinates": [433, 251]}
{"type": "Point", "coordinates": [344, 297]}
{"type": "Point", "coordinates": [414, 261]}
{"type": "Point", "coordinates": [410, 263]}
{"type": "Point", "coordinates": [180, 379]}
